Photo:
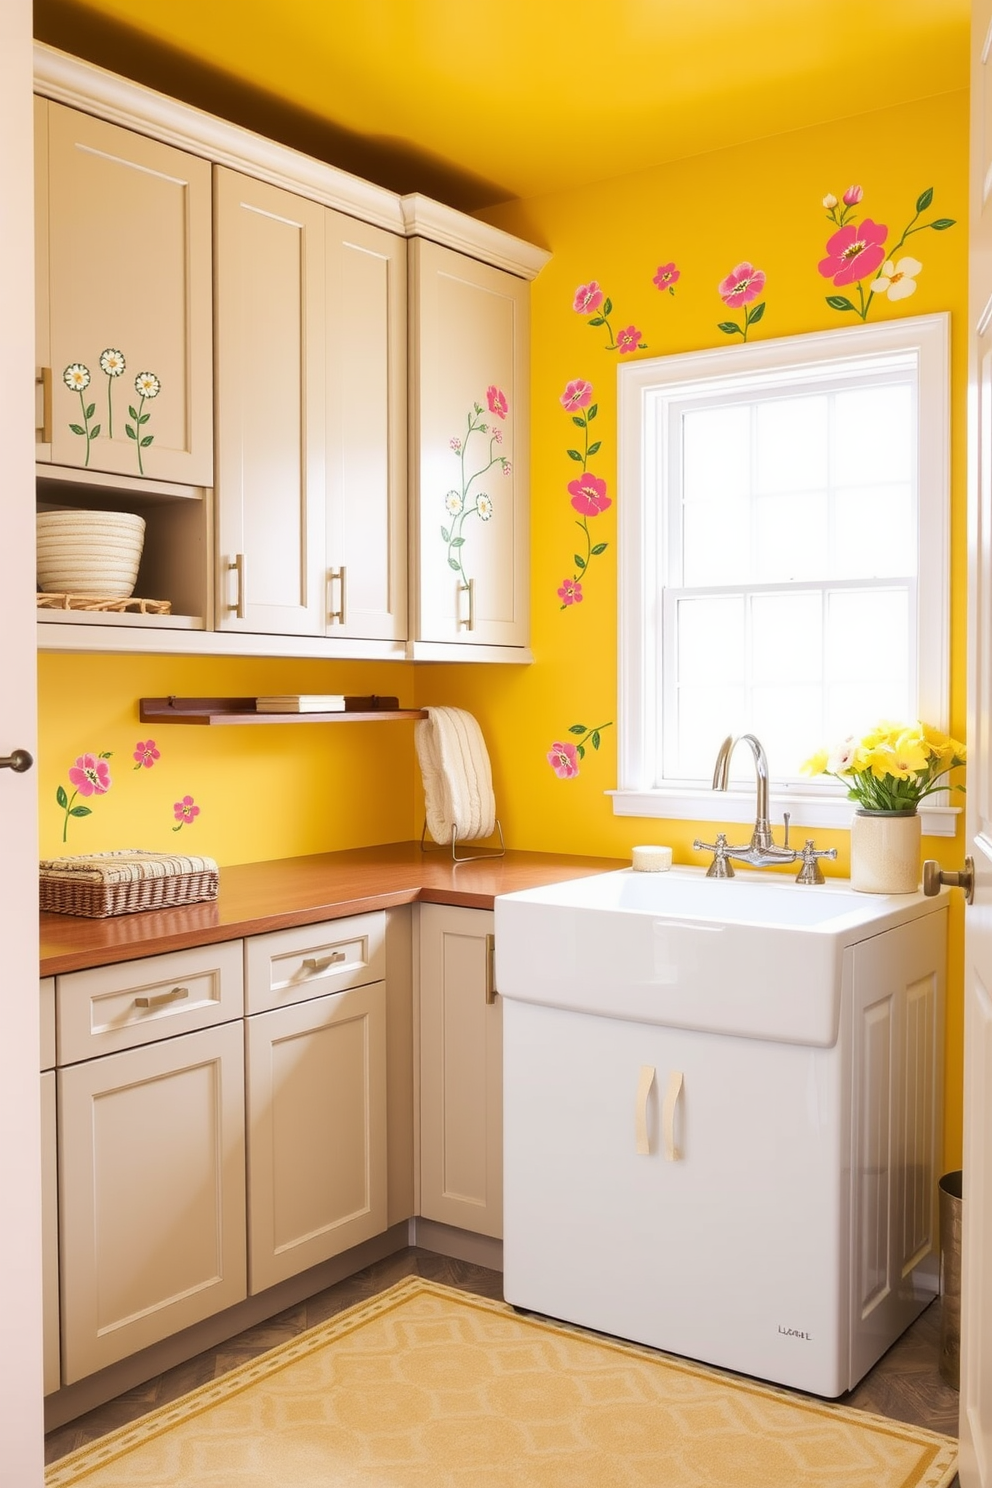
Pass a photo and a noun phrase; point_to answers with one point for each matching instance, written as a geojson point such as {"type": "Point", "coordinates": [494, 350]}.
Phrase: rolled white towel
{"type": "Point", "coordinates": [458, 778]}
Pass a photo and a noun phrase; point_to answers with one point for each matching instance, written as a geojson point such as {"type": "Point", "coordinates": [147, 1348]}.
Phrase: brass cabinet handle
{"type": "Point", "coordinates": [239, 568]}
{"type": "Point", "coordinates": [490, 970]}
{"type": "Point", "coordinates": [19, 761]}
{"type": "Point", "coordinates": [934, 876]}
{"type": "Point", "coordinates": [311, 963]}
{"type": "Point", "coordinates": [44, 381]}
{"type": "Point", "coordinates": [341, 575]}
{"type": "Point", "coordinates": [468, 589]}
{"type": "Point", "coordinates": [159, 999]}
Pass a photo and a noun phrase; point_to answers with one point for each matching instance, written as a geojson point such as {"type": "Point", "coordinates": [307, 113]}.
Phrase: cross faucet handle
{"type": "Point", "coordinates": [811, 872]}
{"type": "Point", "coordinates": [721, 866]}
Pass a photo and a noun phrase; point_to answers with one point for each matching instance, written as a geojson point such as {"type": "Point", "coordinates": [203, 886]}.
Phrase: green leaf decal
{"type": "Point", "coordinates": [129, 432]}
{"type": "Point", "coordinates": [942, 224]}
{"type": "Point", "coordinates": [755, 315]}
{"type": "Point", "coordinates": [445, 535]}
{"type": "Point", "coordinates": [574, 455]}
{"type": "Point", "coordinates": [607, 307]}
{"type": "Point", "coordinates": [132, 411]}
{"type": "Point", "coordinates": [577, 728]}
{"type": "Point", "coordinates": [839, 302]}
{"type": "Point", "coordinates": [924, 199]}
{"type": "Point", "coordinates": [77, 428]}
{"type": "Point", "coordinates": [143, 419]}
{"type": "Point", "coordinates": [94, 431]}
{"type": "Point", "coordinates": [91, 410]}
{"type": "Point", "coordinates": [592, 412]}
{"type": "Point", "coordinates": [597, 320]}
{"type": "Point", "coordinates": [580, 562]}
{"type": "Point", "coordinates": [729, 328]}
{"type": "Point", "coordinates": [453, 563]}
{"type": "Point", "coordinates": [599, 548]}
{"type": "Point", "coordinates": [457, 542]}
{"type": "Point", "coordinates": [595, 448]}
{"type": "Point", "coordinates": [581, 751]}
{"type": "Point", "coordinates": [147, 440]}
{"type": "Point", "coordinates": [61, 797]}
{"type": "Point", "coordinates": [580, 421]}
{"type": "Point", "coordinates": [594, 739]}
{"type": "Point", "coordinates": [80, 811]}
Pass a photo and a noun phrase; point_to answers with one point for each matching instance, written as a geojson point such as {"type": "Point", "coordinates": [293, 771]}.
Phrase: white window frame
{"type": "Point", "coordinates": [646, 390]}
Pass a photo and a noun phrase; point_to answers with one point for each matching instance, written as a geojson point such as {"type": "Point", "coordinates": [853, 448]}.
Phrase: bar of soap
{"type": "Point", "coordinates": [651, 859]}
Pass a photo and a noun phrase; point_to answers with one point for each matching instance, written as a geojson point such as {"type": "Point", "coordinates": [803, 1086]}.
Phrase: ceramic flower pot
{"type": "Point", "coordinates": [885, 852]}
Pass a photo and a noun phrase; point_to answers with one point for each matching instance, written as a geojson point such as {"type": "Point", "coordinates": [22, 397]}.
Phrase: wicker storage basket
{"type": "Point", "coordinates": [89, 552]}
{"type": "Point", "coordinates": [115, 883]}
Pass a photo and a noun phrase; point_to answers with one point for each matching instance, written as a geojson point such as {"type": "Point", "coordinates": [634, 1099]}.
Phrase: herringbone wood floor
{"type": "Point", "coordinates": [905, 1384]}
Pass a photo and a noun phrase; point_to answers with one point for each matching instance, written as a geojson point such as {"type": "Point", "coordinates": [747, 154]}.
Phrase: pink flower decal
{"type": "Point", "coordinates": [496, 399]}
{"type": "Point", "coordinates": [628, 340]}
{"type": "Point", "coordinates": [146, 754]}
{"type": "Point", "coordinates": [90, 775]}
{"type": "Point", "coordinates": [666, 277]}
{"type": "Point", "coordinates": [561, 758]}
{"type": "Point", "coordinates": [577, 394]}
{"type": "Point", "coordinates": [588, 298]}
{"type": "Point", "coordinates": [588, 495]}
{"type": "Point", "coordinates": [743, 285]}
{"type": "Point", "coordinates": [570, 592]}
{"type": "Point", "coordinates": [854, 252]}
{"type": "Point", "coordinates": [185, 813]}
{"type": "Point", "coordinates": [853, 195]}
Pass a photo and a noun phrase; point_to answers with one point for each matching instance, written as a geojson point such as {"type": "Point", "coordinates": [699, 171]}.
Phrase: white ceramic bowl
{"type": "Point", "coordinates": [89, 552]}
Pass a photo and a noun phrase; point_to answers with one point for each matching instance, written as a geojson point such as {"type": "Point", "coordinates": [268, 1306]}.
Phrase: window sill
{"type": "Point", "coordinates": [806, 810]}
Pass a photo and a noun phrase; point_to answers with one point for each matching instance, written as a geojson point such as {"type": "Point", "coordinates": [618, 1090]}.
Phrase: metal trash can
{"type": "Point", "coordinates": [950, 1278]}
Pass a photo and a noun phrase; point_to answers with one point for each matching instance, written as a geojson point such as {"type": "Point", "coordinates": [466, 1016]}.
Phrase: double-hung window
{"type": "Point", "coordinates": [783, 560]}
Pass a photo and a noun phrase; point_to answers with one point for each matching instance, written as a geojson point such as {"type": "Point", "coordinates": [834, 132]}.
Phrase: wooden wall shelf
{"type": "Point", "coordinates": [214, 710]}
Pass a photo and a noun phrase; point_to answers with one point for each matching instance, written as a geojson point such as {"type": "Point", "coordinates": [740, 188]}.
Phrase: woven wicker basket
{"type": "Point", "coordinates": [89, 552]}
{"type": "Point", "coordinates": [116, 883]}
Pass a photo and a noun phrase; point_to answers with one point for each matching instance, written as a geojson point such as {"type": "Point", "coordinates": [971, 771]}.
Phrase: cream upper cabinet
{"type": "Point", "coordinates": [470, 453]}
{"type": "Point", "coordinates": [311, 412]}
{"type": "Point", "coordinates": [461, 1071]}
{"type": "Point", "coordinates": [124, 301]}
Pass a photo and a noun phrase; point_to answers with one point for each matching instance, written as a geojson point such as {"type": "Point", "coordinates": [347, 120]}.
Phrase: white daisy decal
{"type": "Point", "coordinates": [76, 376]}
{"type": "Point", "coordinates": [484, 506]}
{"type": "Point", "coordinates": [147, 385]}
{"type": "Point", "coordinates": [897, 280]}
{"type": "Point", "coordinates": [112, 362]}
{"type": "Point", "coordinates": [453, 503]}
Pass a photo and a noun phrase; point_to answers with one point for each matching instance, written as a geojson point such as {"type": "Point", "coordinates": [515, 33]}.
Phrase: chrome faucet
{"type": "Point", "coordinates": [762, 849]}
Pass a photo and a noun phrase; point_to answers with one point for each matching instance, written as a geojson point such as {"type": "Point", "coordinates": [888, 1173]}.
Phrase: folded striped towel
{"type": "Point", "coordinates": [458, 778]}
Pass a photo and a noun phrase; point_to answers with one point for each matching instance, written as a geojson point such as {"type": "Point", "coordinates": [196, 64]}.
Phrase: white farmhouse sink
{"type": "Point", "coordinates": [757, 956]}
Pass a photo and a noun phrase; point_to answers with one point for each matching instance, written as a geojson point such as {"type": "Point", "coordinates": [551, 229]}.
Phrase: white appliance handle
{"type": "Point", "coordinates": [672, 1153]}
{"type": "Point", "coordinates": [645, 1080]}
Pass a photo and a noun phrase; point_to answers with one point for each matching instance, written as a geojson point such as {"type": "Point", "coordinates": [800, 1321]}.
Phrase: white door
{"type": "Point", "coordinates": [976, 1300]}
{"type": "Point", "coordinates": [21, 1425]}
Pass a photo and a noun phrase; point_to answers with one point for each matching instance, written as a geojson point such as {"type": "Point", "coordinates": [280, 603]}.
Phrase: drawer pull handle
{"type": "Point", "coordinates": [490, 970]}
{"type": "Point", "coordinates": [161, 998]}
{"type": "Point", "coordinates": [642, 1144]}
{"type": "Point", "coordinates": [44, 381]}
{"type": "Point", "coordinates": [311, 963]}
{"type": "Point", "coordinates": [672, 1094]}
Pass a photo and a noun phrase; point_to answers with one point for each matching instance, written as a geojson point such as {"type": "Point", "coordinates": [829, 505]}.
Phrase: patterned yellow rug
{"type": "Point", "coordinates": [427, 1387]}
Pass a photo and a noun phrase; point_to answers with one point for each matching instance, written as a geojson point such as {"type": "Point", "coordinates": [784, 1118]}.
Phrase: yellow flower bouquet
{"type": "Point", "coordinates": [893, 767]}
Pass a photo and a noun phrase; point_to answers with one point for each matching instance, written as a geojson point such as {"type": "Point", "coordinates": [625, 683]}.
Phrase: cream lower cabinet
{"type": "Point", "coordinates": [469, 455]}
{"type": "Point", "coordinates": [311, 417]}
{"type": "Point", "coordinates": [151, 1151]}
{"type": "Point", "coordinates": [49, 1191]}
{"type": "Point", "coordinates": [461, 1069]}
{"type": "Point", "coordinates": [316, 1059]}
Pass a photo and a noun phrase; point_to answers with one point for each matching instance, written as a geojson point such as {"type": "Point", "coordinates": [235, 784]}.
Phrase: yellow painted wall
{"type": "Point", "coordinates": [271, 792]}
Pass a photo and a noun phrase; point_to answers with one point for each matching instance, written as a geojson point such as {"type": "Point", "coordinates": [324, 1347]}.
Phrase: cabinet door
{"type": "Point", "coordinates": [897, 1136]}
{"type": "Point", "coordinates": [470, 414]}
{"type": "Point", "coordinates": [366, 427]}
{"type": "Point", "coordinates": [151, 1193]}
{"type": "Point", "coordinates": [127, 251]}
{"type": "Point", "coordinates": [49, 1234]}
{"type": "Point", "coordinates": [316, 1130]}
{"type": "Point", "coordinates": [270, 408]}
{"type": "Point", "coordinates": [461, 1063]}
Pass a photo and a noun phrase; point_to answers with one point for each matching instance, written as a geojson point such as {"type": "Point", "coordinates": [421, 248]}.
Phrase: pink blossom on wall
{"type": "Point", "coordinates": [588, 495]}
{"type": "Point", "coordinates": [577, 394]}
{"type": "Point", "coordinates": [89, 776]}
{"type": "Point", "coordinates": [590, 300]}
{"type": "Point", "coordinates": [856, 252]}
{"type": "Point", "coordinates": [146, 754]}
{"type": "Point", "coordinates": [185, 812]}
{"type": "Point", "coordinates": [739, 289]}
{"type": "Point", "coordinates": [629, 340]}
{"type": "Point", "coordinates": [570, 592]}
{"type": "Point", "coordinates": [561, 758]}
{"type": "Point", "coordinates": [496, 399]}
{"type": "Point", "coordinates": [666, 277]}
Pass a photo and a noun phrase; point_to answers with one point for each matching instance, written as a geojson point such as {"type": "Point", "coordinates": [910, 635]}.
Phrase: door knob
{"type": "Point", "coordinates": [20, 761]}
{"type": "Point", "coordinates": [934, 876]}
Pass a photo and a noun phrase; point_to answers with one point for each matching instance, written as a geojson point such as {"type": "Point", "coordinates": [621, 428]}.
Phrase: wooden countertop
{"type": "Point", "coordinates": [256, 897]}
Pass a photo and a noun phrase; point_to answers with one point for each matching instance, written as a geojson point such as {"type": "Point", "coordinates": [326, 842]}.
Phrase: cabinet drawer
{"type": "Point", "coordinates": [46, 998]}
{"type": "Point", "coordinates": [136, 1002]}
{"type": "Point", "coordinates": [294, 965]}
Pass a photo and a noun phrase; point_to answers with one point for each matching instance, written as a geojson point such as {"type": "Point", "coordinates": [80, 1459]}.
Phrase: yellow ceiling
{"type": "Point", "coordinates": [528, 96]}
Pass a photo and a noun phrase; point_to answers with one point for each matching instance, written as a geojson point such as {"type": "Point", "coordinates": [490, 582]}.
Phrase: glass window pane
{"type": "Point", "coordinates": [716, 543]}
{"type": "Point", "coordinates": [786, 639]}
{"type": "Point", "coordinates": [716, 452]}
{"type": "Point", "coordinates": [874, 532]}
{"type": "Point", "coordinates": [791, 445]}
{"type": "Point", "coordinates": [867, 636]}
{"type": "Point", "coordinates": [855, 707]}
{"type": "Point", "coordinates": [710, 640]}
{"type": "Point", "coordinates": [873, 439]}
{"type": "Point", "coordinates": [789, 723]}
{"type": "Point", "coordinates": [791, 538]}
{"type": "Point", "coordinates": [706, 716]}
